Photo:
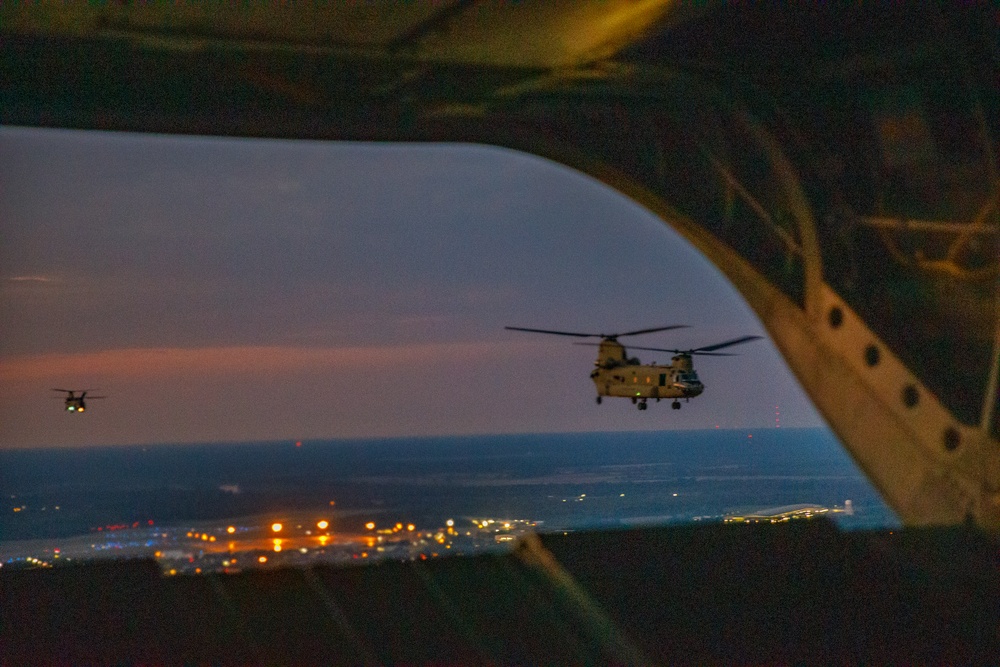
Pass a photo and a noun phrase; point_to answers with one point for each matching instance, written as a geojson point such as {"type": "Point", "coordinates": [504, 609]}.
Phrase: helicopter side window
{"type": "Point", "coordinates": [663, 379]}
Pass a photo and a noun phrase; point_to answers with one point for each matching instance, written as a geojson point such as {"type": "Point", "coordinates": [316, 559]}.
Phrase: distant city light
{"type": "Point", "coordinates": [231, 529]}
{"type": "Point", "coordinates": [323, 525]}
{"type": "Point", "coordinates": [276, 527]}
{"type": "Point", "coordinates": [450, 523]}
{"type": "Point", "coordinates": [370, 525]}
{"type": "Point", "coordinates": [262, 559]}
{"type": "Point", "coordinates": [410, 527]}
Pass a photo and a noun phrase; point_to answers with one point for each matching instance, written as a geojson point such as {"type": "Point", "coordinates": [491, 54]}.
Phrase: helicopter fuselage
{"type": "Point", "coordinates": [617, 375]}
{"type": "Point", "coordinates": [646, 381]}
{"type": "Point", "coordinates": [74, 403]}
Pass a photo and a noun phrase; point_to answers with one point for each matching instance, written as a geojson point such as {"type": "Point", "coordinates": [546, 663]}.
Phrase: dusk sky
{"type": "Point", "coordinates": [233, 290]}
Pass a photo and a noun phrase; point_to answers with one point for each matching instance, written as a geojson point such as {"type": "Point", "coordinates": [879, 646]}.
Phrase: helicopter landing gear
{"type": "Point", "coordinates": [598, 400]}
{"type": "Point", "coordinates": [642, 405]}
{"type": "Point", "coordinates": [676, 405]}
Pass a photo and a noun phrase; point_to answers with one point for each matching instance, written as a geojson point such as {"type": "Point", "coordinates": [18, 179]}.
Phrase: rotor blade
{"type": "Point", "coordinates": [644, 331]}
{"type": "Point", "coordinates": [68, 391]}
{"type": "Point", "coordinates": [719, 346]}
{"type": "Point", "coordinates": [599, 335]}
{"type": "Point", "coordinates": [663, 349]}
{"type": "Point", "coordinates": [558, 333]}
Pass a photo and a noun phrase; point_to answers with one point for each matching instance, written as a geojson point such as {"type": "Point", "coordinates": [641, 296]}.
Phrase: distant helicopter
{"type": "Point", "coordinates": [76, 403]}
{"type": "Point", "coordinates": [618, 375]}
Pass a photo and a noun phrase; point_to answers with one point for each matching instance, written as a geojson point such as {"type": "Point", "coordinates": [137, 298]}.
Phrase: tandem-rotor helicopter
{"type": "Point", "coordinates": [615, 374]}
{"type": "Point", "coordinates": [76, 403]}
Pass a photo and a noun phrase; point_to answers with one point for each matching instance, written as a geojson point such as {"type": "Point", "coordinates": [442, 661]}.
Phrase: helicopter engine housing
{"type": "Point", "coordinates": [682, 362]}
